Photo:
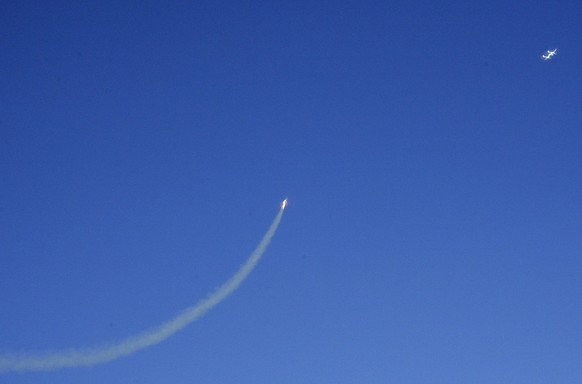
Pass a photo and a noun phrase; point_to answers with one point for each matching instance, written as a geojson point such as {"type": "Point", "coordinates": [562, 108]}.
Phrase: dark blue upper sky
{"type": "Point", "coordinates": [432, 161]}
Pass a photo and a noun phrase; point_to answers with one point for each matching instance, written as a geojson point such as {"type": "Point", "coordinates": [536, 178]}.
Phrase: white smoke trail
{"type": "Point", "coordinates": [132, 344]}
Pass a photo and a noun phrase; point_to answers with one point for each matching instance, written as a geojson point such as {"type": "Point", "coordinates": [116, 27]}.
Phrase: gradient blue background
{"type": "Point", "coordinates": [432, 160]}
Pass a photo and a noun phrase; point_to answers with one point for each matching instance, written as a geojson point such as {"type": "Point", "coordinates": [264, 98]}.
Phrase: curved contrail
{"type": "Point", "coordinates": [132, 344]}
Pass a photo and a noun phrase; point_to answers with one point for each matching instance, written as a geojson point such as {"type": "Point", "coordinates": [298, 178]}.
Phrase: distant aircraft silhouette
{"type": "Point", "coordinates": [548, 55]}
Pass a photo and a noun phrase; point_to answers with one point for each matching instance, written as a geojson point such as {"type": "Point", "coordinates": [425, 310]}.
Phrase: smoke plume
{"type": "Point", "coordinates": [102, 354]}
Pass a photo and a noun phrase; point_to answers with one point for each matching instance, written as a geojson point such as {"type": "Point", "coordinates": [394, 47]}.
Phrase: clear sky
{"type": "Point", "coordinates": [432, 161]}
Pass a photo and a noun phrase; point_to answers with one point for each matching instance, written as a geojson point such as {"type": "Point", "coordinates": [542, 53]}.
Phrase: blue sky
{"type": "Point", "coordinates": [431, 159]}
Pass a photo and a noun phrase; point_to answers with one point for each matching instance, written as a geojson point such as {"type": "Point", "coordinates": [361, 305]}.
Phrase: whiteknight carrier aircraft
{"type": "Point", "coordinates": [549, 54]}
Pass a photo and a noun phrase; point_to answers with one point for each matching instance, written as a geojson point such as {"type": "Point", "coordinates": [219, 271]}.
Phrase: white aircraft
{"type": "Point", "coordinates": [548, 55]}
